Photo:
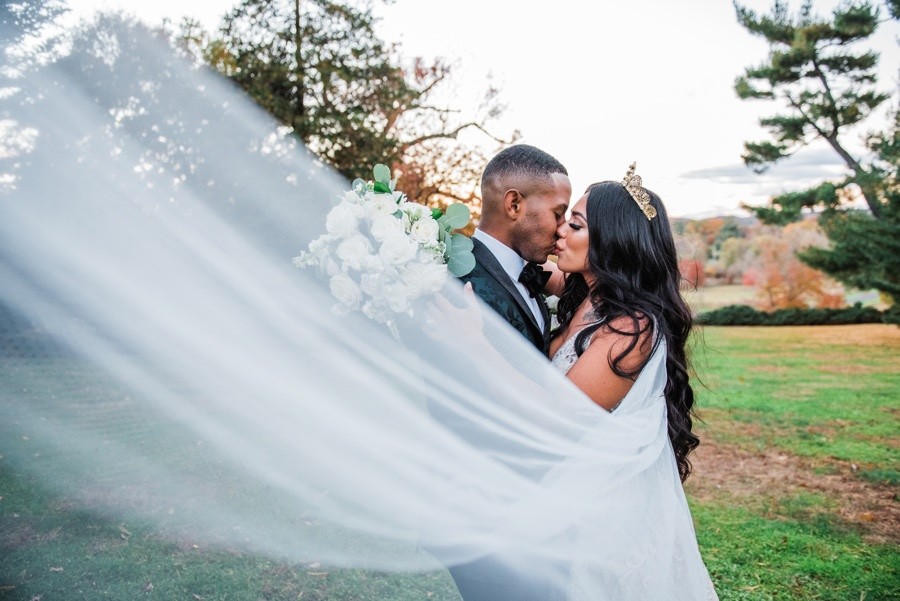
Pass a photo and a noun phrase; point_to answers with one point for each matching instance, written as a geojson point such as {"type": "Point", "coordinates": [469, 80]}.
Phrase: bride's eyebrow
{"type": "Point", "coordinates": [577, 214]}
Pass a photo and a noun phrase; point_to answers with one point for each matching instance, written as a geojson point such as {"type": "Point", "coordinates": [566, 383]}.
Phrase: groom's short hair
{"type": "Point", "coordinates": [520, 161]}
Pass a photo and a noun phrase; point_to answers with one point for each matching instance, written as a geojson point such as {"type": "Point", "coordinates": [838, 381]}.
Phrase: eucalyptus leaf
{"type": "Point", "coordinates": [461, 264]}
{"type": "Point", "coordinates": [382, 174]}
{"type": "Point", "coordinates": [448, 243]}
{"type": "Point", "coordinates": [436, 213]}
{"type": "Point", "coordinates": [382, 188]}
{"type": "Point", "coordinates": [457, 216]}
{"type": "Point", "coordinates": [462, 243]}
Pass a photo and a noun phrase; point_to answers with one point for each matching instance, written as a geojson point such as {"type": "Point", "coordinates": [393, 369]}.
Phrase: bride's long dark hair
{"type": "Point", "coordinates": [637, 277]}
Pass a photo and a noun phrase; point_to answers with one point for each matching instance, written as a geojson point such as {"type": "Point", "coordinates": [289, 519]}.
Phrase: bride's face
{"type": "Point", "coordinates": [572, 245]}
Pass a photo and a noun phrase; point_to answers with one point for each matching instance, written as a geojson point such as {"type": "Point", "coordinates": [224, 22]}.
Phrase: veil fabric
{"type": "Point", "coordinates": [161, 357]}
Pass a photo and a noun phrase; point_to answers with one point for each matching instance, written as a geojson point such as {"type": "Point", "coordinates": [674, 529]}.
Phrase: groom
{"type": "Point", "coordinates": [525, 193]}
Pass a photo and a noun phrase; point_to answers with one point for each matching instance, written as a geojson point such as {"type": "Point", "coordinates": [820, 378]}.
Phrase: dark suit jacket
{"type": "Point", "coordinates": [494, 286]}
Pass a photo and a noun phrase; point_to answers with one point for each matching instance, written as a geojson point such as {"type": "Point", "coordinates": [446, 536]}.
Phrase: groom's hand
{"type": "Point", "coordinates": [444, 318]}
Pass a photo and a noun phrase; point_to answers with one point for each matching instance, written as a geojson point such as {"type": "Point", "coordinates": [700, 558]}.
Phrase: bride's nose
{"type": "Point", "coordinates": [561, 231]}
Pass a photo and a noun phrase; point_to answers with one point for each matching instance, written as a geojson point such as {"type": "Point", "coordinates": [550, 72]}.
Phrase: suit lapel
{"type": "Point", "coordinates": [491, 265]}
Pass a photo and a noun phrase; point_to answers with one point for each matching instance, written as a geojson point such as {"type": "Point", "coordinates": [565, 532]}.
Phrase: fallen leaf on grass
{"type": "Point", "coordinates": [123, 532]}
{"type": "Point", "coordinates": [196, 597]}
{"type": "Point", "coordinates": [148, 587]}
{"type": "Point", "coordinates": [55, 569]}
{"type": "Point", "coordinates": [317, 573]}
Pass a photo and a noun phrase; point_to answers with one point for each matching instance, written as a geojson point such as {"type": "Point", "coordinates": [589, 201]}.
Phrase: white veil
{"type": "Point", "coordinates": [161, 357]}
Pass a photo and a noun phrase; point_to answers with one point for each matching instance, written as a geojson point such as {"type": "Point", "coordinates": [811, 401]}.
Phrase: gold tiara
{"type": "Point", "coordinates": [632, 183]}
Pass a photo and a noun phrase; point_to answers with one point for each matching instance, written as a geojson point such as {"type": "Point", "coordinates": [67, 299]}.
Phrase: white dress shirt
{"type": "Point", "coordinates": [512, 264]}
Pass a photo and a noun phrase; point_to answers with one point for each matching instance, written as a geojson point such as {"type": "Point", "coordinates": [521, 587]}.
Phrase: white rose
{"type": "Point", "coordinates": [342, 221]}
{"type": "Point", "coordinates": [354, 250]}
{"type": "Point", "coordinates": [383, 225]}
{"type": "Point", "coordinates": [397, 249]}
{"type": "Point", "coordinates": [384, 203]}
{"type": "Point", "coordinates": [424, 230]}
{"type": "Point", "coordinates": [345, 290]}
{"type": "Point", "coordinates": [350, 196]}
{"type": "Point", "coordinates": [399, 298]}
{"type": "Point", "coordinates": [425, 278]}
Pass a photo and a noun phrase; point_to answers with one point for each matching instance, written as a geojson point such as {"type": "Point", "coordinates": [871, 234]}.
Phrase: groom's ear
{"type": "Point", "coordinates": [512, 203]}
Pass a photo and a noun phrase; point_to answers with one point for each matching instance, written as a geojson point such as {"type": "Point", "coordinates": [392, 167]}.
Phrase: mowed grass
{"type": "Point", "coordinates": [804, 503]}
{"type": "Point", "coordinates": [822, 399]}
{"type": "Point", "coordinates": [822, 391]}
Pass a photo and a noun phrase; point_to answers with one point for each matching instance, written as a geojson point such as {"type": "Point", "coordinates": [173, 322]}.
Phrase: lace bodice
{"type": "Point", "coordinates": [566, 356]}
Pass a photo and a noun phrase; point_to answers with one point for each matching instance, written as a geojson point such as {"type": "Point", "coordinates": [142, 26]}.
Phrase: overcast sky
{"type": "Point", "coordinates": [602, 83]}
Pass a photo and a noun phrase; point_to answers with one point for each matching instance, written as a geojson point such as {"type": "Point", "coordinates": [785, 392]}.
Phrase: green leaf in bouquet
{"type": "Point", "coordinates": [457, 216]}
{"type": "Point", "coordinates": [436, 213]}
{"type": "Point", "coordinates": [444, 236]}
{"type": "Point", "coordinates": [382, 188]}
{"type": "Point", "coordinates": [462, 243]}
{"type": "Point", "coordinates": [359, 185]}
{"type": "Point", "coordinates": [382, 175]}
{"type": "Point", "coordinates": [461, 264]}
{"type": "Point", "coordinates": [460, 259]}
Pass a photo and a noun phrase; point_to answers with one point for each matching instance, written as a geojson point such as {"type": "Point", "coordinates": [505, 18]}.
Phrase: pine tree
{"type": "Point", "coordinates": [826, 86]}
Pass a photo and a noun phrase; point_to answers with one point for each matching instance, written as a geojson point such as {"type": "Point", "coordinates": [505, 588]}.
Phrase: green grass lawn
{"type": "Point", "coordinates": [821, 402]}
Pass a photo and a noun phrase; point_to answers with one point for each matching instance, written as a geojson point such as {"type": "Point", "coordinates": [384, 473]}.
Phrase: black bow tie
{"type": "Point", "coordinates": [534, 278]}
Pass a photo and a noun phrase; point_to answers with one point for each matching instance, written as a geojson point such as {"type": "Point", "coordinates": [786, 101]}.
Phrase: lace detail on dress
{"type": "Point", "coordinates": [566, 356]}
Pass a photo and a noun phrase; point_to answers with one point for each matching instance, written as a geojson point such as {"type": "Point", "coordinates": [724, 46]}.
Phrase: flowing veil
{"type": "Point", "coordinates": [161, 357]}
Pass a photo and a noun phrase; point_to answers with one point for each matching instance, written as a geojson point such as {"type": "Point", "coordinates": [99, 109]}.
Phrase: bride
{"type": "Point", "coordinates": [161, 359]}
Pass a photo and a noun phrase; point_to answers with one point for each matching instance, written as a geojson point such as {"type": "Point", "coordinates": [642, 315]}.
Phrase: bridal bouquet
{"type": "Point", "coordinates": [382, 252]}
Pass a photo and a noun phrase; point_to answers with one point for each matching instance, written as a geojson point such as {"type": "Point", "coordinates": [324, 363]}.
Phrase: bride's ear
{"type": "Point", "coordinates": [512, 203]}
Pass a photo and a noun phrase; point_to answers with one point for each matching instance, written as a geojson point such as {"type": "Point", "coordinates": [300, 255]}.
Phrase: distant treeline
{"type": "Point", "coordinates": [744, 315]}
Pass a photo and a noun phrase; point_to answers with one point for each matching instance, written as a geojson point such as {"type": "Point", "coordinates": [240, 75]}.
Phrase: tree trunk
{"type": "Point", "coordinates": [297, 40]}
{"type": "Point", "coordinates": [869, 191]}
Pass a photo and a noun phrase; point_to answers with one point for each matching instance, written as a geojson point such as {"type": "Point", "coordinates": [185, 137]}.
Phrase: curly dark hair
{"type": "Point", "coordinates": [637, 277]}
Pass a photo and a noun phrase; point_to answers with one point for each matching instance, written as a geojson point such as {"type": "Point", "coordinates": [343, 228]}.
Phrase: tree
{"type": "Point", "coordinates": [319, 67]}
{"type": "Point", "coordinates": [865, 250]}
{"type": "Point", "coordinates": [782, 280]}
{"type": "Point", "coordinates": [825, 86]}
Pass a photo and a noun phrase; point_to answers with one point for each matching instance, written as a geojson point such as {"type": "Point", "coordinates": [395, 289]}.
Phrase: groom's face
{"type": "Point", "coordinates": [543, 210]}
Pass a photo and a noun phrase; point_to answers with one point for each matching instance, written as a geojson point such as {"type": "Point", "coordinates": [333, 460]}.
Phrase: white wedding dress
{"type": "Point", "coordinates": [672, 546]}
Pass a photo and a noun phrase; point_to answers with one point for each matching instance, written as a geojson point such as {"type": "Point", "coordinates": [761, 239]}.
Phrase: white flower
{"type": "Point", "coordinates": [351, 197]}
{"type": "Point", "coordinates": [424, 230]}
{"type": "Point", "coordinates": [346, 291]}
{"type": "Point", "coordinates": [383, 225]}
{"type": "Point", "coordinates": [397, 249]}
{"type": "Point", "coordinates": [415, 210]}
{"type": "Point", "coordinates": [434, 251]}
{"type": "Point", "coordinates": [354, 250]}
{"type": "Point", "coordinates": [342, 221]}
{"type": "Point", "coordinates": [384, 203]}
{"type": "Point", "coordinates": [424, 278]}
{"type": "Point", "coordinates": [552, 302]}
{"type": "Point", "coordinates": [399, 298]}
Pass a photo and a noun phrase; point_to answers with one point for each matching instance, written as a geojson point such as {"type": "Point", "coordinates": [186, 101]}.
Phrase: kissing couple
{"type": "Point", "coordinates": [622, 331]}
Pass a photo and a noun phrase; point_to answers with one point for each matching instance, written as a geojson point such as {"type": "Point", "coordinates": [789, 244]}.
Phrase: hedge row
{"type": "Point", "coordinates": [743, 315]}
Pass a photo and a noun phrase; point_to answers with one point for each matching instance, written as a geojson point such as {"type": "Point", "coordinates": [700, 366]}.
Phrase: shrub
{"type": "Point", "coordinates": [743, 315]}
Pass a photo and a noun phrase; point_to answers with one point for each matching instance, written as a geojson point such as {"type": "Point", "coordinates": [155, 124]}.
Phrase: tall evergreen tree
{"type": "Point", "coordinates": [826, 86]}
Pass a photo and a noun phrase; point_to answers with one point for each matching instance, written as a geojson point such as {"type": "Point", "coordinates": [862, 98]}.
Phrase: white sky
{"type": "Point", "coordinates": [601, 83]}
